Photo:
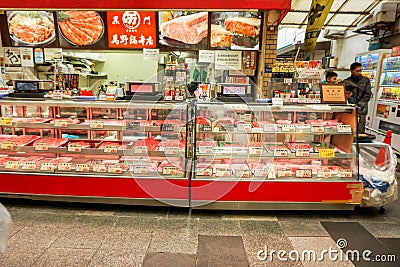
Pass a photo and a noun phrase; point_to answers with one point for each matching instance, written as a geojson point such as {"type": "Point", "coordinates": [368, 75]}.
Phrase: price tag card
{"type": "Point", "coordinates": [288, 80]}
{"type": "Point", "coordinates": [242, 173]}
{"type": "Point", "coordinates": [133, 125]}
{"type": "Point", "coordinates": [115, 168]}
{"type": "Point", "coordinates": [244, 127]}
{"type": "Point", "coordinates": [6, 121]}
{"type": "Point", "coordinates": [204, 172]}
{"type": "Point", "coordinates": [41, 146]}
{"type": "Point", "coordinates": [255, 150]}
{"type": "Point", "coordinates": [7, 145]}
{"type": "Point", "coordinates": [344, 129]}
{"type": "Point", "coordinates": [261, 172]}
{"type": "Point", "coordinates": [82, 167]}
{"type": "Point", "coordinates": [284, 173]}
{"type": "Point", "coordinates": [206, 150]}
{"type": "Point", "coordinates": [280, 152]}
{"type": "Point", "coordinates": [302, 152]}
{"type": "Point", "coordinates": [169, 150]}
{"type": "Point", "coordinates": [215, 129]}
{"type": "Point", "coordinates": [167, 127]}
{"type": "Point", "coordinates": [47, 166]}
{"type": "Point", "coordinates": [169, 170]}
{"type": "Point", "coordinates": [61, 123]}
{"type": "Point", "coordinates": [317, 129]}
{"type": "Point", "coordinates": [304, 173]}
{"type": "Point", "coordinates": [220, 172]}
{"type": "Point", "coordinates": [179, 98]}
{"type": "Point", "coordinates": [140, 149]}
{"type": "Point", "coordinates": [65, 166]}
{"type": "Point", "coordinates": [110, 149]}
{"type": "Point", "coordinates": [277, 101]}
{"type": "Point", "coordinates": [96, 125]}
{"type": "Point", "coordinates": [168, 98]}
{"type": "Point", "coordinates": [270, 128]}
{"type": "Point", "coordinates": [29, 165]}
{"type": "Point", "coordinates": [288, 128]}
{"type": "Point", "coordinates": [73, 147]}
{"type": "Point", "coordinates": [326, 153]}
{"type": "Point", "coordinates": [345, 173]}
{"type": "Point", "coordinates": [12, 165]}
{"type": "Point", "coordinates": [302, 128]}
{"type": "Point", "coordinates": [324, 173]}
{"type": "Point", "coordinates": [99, 168]}
{"type": "Point", "coordinates": [169, 78]}
{"type": "Point", "coordinates": [204, 128]}
{"type": "Point", "coordinates": [140, 169]}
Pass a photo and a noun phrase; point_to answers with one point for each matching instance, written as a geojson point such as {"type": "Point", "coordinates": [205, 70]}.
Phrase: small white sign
{"type": "Point", "coordinates": [29, 165]}
{"type": "Point", "coordinates": [110, 149]}
{"type": "Point", "coordinates": [344, 129]}
{"type": "Point", "coordinates": [207, 56]}
{"type": "Point", "coordinates": [151, 54]}
{"type": "Point", "coordinates": [12, 56]}
{"type": "Point", "coordinates": [244, 127]}
{"type": "Point", "coordinates": [302, 152]}
{"type": "Point", "coordinates": [324, 174]}
{"type": "Point", "coordinates": [65, 166]}
{"type": "Point", "coordinates": [140, 169]}
{"type": "Point", "coordinates": [12, 165]}
{"type": "Point", "coordinates": [41, 146]}
{"type": "Point", "coordinates": [280, 152]}
{"type": "Point", "coordinates": [345, 173]}
{"type": "Point", "coordinates": [27, 57]}
{"type": "Point", "coordinates": [206, 150]}
{"type": "Point", "coordinates": [96, 124]}
{"type": "Point", "coordinates": [169, 150]}
{"type": "Point", "coordinates": [288, 128]}
{"type": "Point", "coordinates": [284, 173]}
{"type": "Point", "coordinates": [317, 129]}
{"type": "Point", "coordinates": [228, 60]}
{"type": "Point", "coordinates": [255, 150]}
{"type": "Point", "coordinates": [53, 54]}
{"type": "Point", "coordinates": [140, 150]}
{"type": "Point", "coordinates": [47, 166]}
{"type": "Point", "coordinates": [277, 101]}
{"type": "Point", "coordinates": [61, 123]}
{"type": "Point", "coordinates": [270, 128]}
{"type": "Point", "coordinates": [99, 168]}
{"type": "Point", "coordinates": [304, 173]}
{"type": "Point", "coordinates": [82, 167]}
{"type": "Point", "coordinates": [115, 169]}
{"type": "Point", "coordinates": [72, 147]}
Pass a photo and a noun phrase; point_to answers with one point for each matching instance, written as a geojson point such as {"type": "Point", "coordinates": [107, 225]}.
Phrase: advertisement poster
{"type": "Point", "coordinates": [31, 28]}
{"type": "Point", "coordinates": [27, 57]}
{"type": "Point", "coordinates": [39, 56]}
{"type": "Point", "coordinates": [382, 111]}
{"type": "Point", "coordinates": [183, 29]}
{"type": "Point", "coordinates": [53, 54]}
{"type": "Point", "coordinates": [12, 56]}
{"type": "Point", "coordinates": [81, 29]}
{"type": "Point", "coordinates": [235, 30]}
{"type": "Point", "coordinates": [131, 29]}
{"type": "Point", "coordinates": [228, 60]}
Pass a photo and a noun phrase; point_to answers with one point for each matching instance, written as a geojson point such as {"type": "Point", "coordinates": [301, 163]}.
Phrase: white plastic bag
{"type": "Point", "coordinates": [5, 222]}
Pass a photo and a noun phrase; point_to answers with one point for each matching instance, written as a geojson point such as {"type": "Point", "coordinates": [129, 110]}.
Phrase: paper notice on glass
{"type": "Point", "coordinates": [53, 54]}
{"type": "Point", "coordinates": [27, 57]}
{"type": "Point", "coordinates": [151, 54]}
{"type": "Point", "coordinates": [228, 60]}
{"type": "Point", "coordinates": [12, 56]}
{"type": "Point", "coordinates": [206, 56]}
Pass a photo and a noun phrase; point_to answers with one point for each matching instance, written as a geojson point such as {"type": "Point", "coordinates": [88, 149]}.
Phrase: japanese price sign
{"type": "Point", "coordinates": [131, 29]}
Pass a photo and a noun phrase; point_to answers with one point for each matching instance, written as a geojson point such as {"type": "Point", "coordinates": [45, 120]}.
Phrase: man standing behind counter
{"type": "Point", "coordinates": [361, 94]}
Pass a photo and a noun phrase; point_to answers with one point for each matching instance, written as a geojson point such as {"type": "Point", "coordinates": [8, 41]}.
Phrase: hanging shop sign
{"type": "Point", "coordinates": [149, 4]}
{"type": "Point", "coordinates": [319, 10]}
{"type": "Point", "coordinates": [131, 29]}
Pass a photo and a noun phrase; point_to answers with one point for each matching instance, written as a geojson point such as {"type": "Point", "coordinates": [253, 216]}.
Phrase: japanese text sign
{"type": "Point", "coordinates": [131, 29]}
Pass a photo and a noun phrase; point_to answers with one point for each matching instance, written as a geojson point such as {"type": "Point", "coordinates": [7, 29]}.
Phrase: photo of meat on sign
{"type": "Point", "coordinates": [184, 30]}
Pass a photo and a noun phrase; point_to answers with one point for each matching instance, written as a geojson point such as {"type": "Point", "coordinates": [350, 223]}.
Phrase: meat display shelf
{"type": "Point", "coordinates": [245, 155]}
{"type": "Point", "coordinates": [327, 131]}
{"type": "Point", "coordinates": [279, 179]}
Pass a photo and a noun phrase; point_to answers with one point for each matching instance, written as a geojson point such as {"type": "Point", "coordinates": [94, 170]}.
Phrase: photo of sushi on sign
{"type": "Point", "coordinates": [31, 28]}
{"type": "Point", "coordinates": [131, 29]}
{"type": "Point", "coordinates": [183, 29]}
{"type": "Point", "coordinates": [81, 29]}
{"type": "Point", "coordinates": [235, 30]}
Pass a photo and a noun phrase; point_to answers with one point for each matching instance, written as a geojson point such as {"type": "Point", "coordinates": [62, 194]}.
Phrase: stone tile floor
{"type": "Point", "coordinates": [73, 234]}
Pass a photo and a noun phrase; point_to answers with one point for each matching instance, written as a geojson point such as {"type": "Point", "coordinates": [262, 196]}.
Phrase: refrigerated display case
{"type": "Point", "coordinates": [257, 156]}
{"type": "Point", "coordinates": [98, 151]}
{"type": "Point", "coordinates": [371, 68]}
{"type": "Point", "coordinates": [387, 112]}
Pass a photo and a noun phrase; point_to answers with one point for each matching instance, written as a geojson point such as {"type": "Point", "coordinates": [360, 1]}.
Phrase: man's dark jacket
{"type": "Point", "coordinates": [361, 93]}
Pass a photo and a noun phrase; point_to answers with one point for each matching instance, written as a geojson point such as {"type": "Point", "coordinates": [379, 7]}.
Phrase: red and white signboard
{"type": "Point", "coordinates": [131, 29]}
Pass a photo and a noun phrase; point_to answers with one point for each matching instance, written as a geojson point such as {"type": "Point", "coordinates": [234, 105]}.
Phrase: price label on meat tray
{"type": "Point", "coordinates": [133, 125]}
{"type": "Point", "coordinates": [47, 166]}
{"type": "Point", "coordinates": [270, 128]}
{"type": "Point", "coordinates": [261, 172]}
{"type": "Point", "coordinates": [140, 169]}
{"type": "Point", "coordinates": [288, 128]}
{"type": "Point", "coordinates": [80, 167]}
{"type": "Point", "coordinates": [344, 129]}
{"type": "Point", "coordinates": [29, 165]}
{"type": "Point", "coordinates": [41, 146]}
{"type": "Point", "coordinates": [244, 127]}
{"type": "Point", "coordinates": [326, 153]}
{"type": "Point", "coordinates": [221, 172]}
{"type": "Point", "coordinates": [64, 166]}
{"type": "Point", "coordinates": [303, 173]}
{"type": "Point", "coordinates": [96, 125]}
{"type": "Point", "coordinates": [6, 121]}
{"type": "Point", "coordinates": [302, 152]}
{"type": "Point", "coordinates": [169, 150]}
{"type": "Point", "coordinates": [324, 173]}
{"type": "Point", "coordinates": [345, 173]}
{"type": "Point", "coordinates": [61, 123]}
{"type": "Point", "coordinates": [167, 127]}
{"type": "Point", "coordinates": [280, 152]}
{"type": "Point", "coordinates": [169, 170]}
{"type": "Point", "coordinates": [115, 169]}
{"type": "Point", "coordinates": [7, 145]}
{"type": "Point", "coordinates": [284, 173]}
{"type": "Point", "coordinates": [12, 165]}
{"type": "Point", "coordinates": [255, 150]}
{"type": "Point", "coordinates": [73, 147]}
{"type": "Point", "coordinates": [206, 150]}
{"type": "Point", "coordinates": [140, 149]}
{"type": "Point", "coordinates": [99, 168]}
{"type": "Point", "coordinates": [110, 149]}
{"type": "Point", "coordinates": [317, 129]}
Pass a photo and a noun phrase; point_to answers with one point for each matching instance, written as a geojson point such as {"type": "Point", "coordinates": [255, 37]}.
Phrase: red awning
{"type": "Point", "coordinates": [147, 4]}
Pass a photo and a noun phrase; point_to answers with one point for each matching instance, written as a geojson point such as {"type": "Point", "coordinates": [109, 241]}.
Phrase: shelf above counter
{"type": "Point", "coordinates": [266, 155]}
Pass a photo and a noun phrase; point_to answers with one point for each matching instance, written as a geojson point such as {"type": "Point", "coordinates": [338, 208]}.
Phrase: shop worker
{"type": "Point", "coordinates": [331, 77]}
{"type": "Point", "coordinates": [361, 93]}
